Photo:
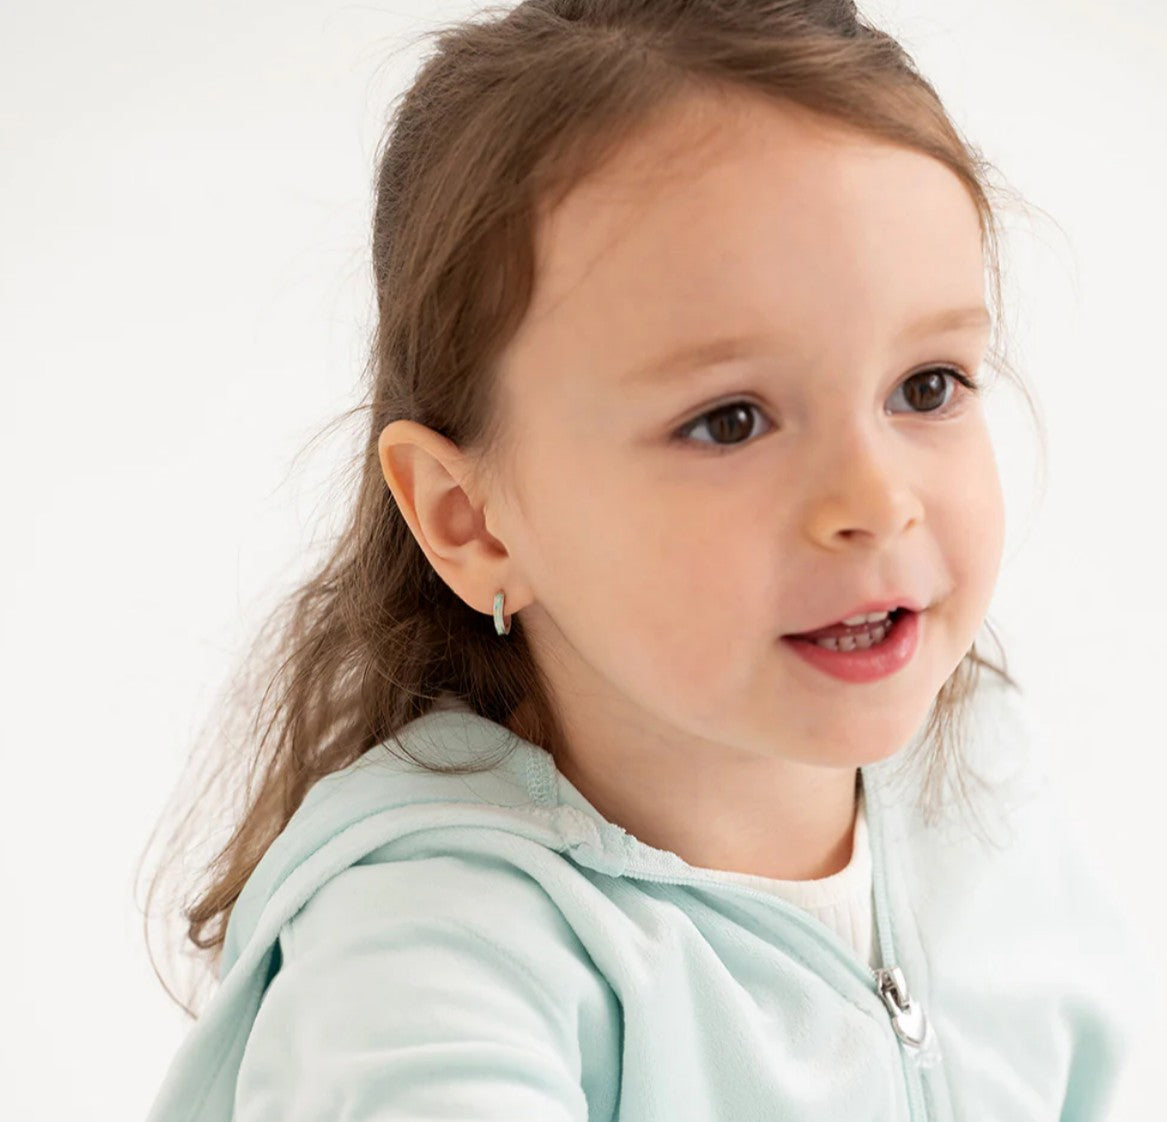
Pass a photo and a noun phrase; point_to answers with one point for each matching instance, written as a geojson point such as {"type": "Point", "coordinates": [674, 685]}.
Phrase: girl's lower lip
{"type": "Point", "coordinates": [867, 665]}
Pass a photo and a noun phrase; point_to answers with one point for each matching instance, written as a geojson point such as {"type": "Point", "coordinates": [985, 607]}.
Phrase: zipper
{"type": "Point", "coordinates": [907, 1016]}
{"type": "Point", "coordinates": [910, 1024]}
{"type": "Point", "coordinates": [886, 985]}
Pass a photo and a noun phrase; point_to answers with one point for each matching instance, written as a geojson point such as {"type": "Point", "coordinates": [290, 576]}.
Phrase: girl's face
{"type": "Point", "coordinates": [656, 553]}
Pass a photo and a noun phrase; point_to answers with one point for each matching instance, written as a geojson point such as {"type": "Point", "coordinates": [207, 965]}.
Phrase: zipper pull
{"type": "Point", "coordinates": [907, 1016]}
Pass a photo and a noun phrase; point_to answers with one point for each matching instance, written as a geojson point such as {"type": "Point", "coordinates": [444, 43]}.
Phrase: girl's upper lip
{"type": "Point", "coordinates": [885, 605]}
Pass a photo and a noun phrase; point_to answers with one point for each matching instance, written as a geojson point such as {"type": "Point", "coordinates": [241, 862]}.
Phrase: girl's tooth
{"type": "Point", "coordinates": [850, 643]}
{"type": "Point", "coordinates": [868, 617]}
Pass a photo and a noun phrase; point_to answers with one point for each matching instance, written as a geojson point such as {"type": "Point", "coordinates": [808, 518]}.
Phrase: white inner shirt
{"type": "Point", "coordinates": [843, 901]}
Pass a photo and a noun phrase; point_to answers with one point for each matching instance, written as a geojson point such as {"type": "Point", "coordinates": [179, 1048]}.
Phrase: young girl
{"type": "Point", "coordinates": [624, 743]}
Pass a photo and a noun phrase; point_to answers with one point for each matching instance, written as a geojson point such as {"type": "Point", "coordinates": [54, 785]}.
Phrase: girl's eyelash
{"type": "Point", "coordinates": [970, 383]}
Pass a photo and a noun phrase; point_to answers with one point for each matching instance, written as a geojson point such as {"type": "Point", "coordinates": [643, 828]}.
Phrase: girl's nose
{"type": "Point", "coordinates": [862, 494]}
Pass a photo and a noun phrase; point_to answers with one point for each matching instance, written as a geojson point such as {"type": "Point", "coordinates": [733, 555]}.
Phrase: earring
{"type": "Point", "coordinates": [499, 626]}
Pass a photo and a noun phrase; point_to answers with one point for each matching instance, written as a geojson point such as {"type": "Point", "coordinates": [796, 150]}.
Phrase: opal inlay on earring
{"type": "Point", "coordinates": [499, 626]}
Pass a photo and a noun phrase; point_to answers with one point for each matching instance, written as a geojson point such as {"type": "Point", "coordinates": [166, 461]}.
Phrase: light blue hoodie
{"type": "Point", "coordinates": [488, 947]}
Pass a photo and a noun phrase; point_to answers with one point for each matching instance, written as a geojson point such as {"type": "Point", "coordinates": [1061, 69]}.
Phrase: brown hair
{"type": "Point", "coordinates": [502, 119]}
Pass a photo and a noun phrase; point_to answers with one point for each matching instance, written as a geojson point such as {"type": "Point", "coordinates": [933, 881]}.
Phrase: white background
{"type": "Point", "coordinates": [185, 300]}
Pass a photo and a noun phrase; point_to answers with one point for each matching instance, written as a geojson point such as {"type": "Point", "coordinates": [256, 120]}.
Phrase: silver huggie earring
{"type": "Point", "coordinates": [499, 626]}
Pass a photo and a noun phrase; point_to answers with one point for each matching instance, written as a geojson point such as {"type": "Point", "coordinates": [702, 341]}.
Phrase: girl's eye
{"type": "Point", "coordinates": [924, 391]}
{"type": "Point", "coordinates": [926, 388]}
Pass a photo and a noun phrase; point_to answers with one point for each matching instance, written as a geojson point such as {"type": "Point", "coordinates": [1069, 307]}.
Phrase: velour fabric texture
{"type": "Point", "coordinates": [488, 947]}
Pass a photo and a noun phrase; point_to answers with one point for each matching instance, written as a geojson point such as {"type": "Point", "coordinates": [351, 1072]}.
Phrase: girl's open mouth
{"type": "Point", "coordinates": [865, 652]}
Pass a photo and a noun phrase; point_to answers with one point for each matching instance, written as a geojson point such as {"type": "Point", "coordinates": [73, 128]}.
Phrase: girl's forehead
{"type": "Point", "coordinates": [683, 199]}
{"type": "Point", "coordinates": [774, 226]}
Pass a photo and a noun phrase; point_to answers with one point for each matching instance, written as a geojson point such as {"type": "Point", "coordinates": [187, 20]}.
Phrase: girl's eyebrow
{"type": "Point", "coordinates": [691, 358]}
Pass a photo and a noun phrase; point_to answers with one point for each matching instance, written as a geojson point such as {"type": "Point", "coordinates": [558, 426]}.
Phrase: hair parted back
{"type": "Point", "coordinates": [507, 113]}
